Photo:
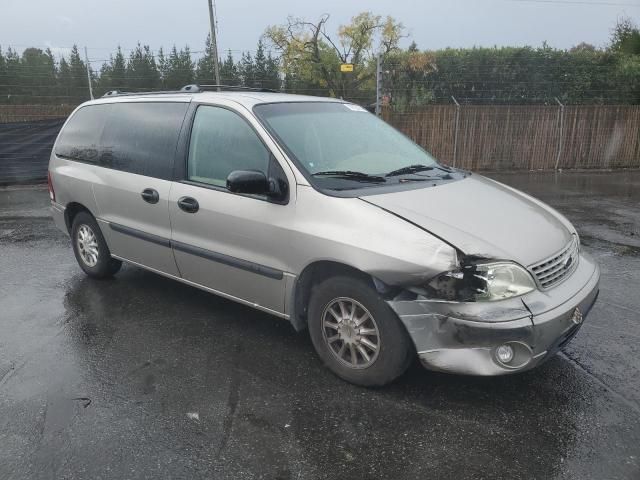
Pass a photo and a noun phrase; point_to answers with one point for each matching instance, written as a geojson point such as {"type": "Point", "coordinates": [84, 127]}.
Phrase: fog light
{"type": "Point", "coordinates": [505, 353]}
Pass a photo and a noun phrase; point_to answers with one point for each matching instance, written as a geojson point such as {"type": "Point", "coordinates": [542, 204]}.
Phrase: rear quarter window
{"type": "Point", "coordinates": [80, 137]}
{"type": "Point", "coordinates": [132, 137]}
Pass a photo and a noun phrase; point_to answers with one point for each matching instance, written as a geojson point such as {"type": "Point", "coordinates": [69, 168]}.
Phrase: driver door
{"type": "Point", "coordinates": [234, 244]}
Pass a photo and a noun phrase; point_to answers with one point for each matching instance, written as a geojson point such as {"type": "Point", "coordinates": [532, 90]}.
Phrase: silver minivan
{"type": "Point", "coordinates": [318, 212]}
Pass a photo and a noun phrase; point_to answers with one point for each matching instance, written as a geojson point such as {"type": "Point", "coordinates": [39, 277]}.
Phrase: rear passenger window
{"type": "Point", "coordinates": [133, 137]}
{"type": "Point", "coordinates": [80, 138]}
{"type": "Point", "coordinates": [141, 138]}
{"type": "Point", "coordinates": [221, 142]}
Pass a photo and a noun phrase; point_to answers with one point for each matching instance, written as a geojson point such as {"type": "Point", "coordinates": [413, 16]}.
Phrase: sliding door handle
{"type": "Point", "coordinates": [150, 195]}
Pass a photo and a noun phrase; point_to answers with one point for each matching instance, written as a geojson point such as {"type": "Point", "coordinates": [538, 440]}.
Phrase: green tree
{"type": "Point", "coordinates": [272, 76]}
{"type": "Point", "coordinates": [311, 56]}
{"type": "Point", "coordinates": [180, 68]}
{"type": "Point", "coordinates": [229, 71]}
{"type": "Point", "coordinates": [78, 87]}
{"type": "Point", "coordinates": [260, 66]}
{"type": "Point", "coordinates": [38, 74]}
{"type": "Point", "coordinates": [204, 69]}
{"type": "Point", "coordinates": [246, 70]}
{"type": "Point", "coordinates": [4, 87]}
{"type": "Point", "coordinates": [163, 67]}
{"type": "Point", "coordinates": [64, 87]}
{"type": "Point", "coordinates": [625, 37]}
{"type": "Point", "coordinates": [142, 71]}
{"type": "Point", "coordinates": [113, 75]}
{"type": "Point", "coordinates": [13, 77]}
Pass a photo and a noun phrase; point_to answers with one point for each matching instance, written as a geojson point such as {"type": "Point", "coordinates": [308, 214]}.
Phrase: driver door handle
{"type": "Point", "coordinates": [188, 204]}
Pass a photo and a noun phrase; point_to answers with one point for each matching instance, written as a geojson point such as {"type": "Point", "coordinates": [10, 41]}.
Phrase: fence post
{"type": "Point", "coordinates": [379, 84]}
{"type": "Point", "coordinates": [561, 132]}
{"type": "Point", "coordinates": [86, 59]}
{"type": "Point", "coordinates": [455, 134]}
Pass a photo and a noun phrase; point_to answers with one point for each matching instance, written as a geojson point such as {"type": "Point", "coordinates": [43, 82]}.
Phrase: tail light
{"type": "Point", "coordinates": [52, 193]}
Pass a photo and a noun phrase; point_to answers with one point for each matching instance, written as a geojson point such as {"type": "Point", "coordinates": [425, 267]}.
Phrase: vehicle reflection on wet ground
{"type": "Point", "coordinates": [140, 376]}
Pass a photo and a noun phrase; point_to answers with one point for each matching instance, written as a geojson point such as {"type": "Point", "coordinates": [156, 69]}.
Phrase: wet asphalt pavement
{"type": "Point", "coordinates": [143, 377]}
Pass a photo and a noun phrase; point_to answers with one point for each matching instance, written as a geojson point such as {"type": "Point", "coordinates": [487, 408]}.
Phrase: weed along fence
{"type": "Point", "coordinates": [525, 137]}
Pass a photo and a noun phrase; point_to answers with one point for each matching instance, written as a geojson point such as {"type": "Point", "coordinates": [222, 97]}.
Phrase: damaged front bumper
{"type": "Point", "coordinates": [462, 337]}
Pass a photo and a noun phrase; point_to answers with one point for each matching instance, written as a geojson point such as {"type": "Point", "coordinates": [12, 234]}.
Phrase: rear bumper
{"type": "Point", "coordinates": [57, 212]}
{"type": "Point", "coordinates": [463, 337]}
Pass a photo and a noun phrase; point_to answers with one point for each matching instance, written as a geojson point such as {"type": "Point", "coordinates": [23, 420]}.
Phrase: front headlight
{"type": "Point", "coordinates": [503, 280]}
{"type": "Point", "coordinates": [483, 282]}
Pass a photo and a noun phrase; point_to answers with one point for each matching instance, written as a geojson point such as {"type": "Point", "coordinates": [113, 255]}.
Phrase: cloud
{"type": "Point", "coordinates": [64, 21]}
{"type": "Point", "coordinates": [57, 51]}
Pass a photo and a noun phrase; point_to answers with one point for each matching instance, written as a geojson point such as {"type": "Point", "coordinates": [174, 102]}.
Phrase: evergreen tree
{"type": "Point", "coordinates": [119, 71]}
{"type": "Point", "coordinates": [204, 70]}
{"type": "Point", "coordinates": [13, 77]}
{"type": "Point", "coordinates": [180, 71]}
{"type": "Point", "coordinates": [163, 67]}
{"type": "Point", "coordinates": [38, 74]}
{"type": "Point", "coordinates": [246, 70]}
{"type": "Point", "coordinates": [78, 87]}
{"type": "Point", "coordinates": [229, 71]}
{"type": "Point", "coordinates": [260, 66]}
{"type": "Point", "coordinates": [272, 76]}
{"type": "Point", "coordinates": [142, 71]}
{"type": "Point", "coordinates": [64, 87]}
{"type": "Point", "coordinates": [113, 75]}
{"type": "Point", "coordinates": [4, 86]}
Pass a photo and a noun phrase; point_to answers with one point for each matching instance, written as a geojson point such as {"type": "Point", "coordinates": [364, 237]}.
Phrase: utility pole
{"type": "Point", "coordinates": [214, 46]}
{"type": "Point", "coordinates": [86, 61]}
{"type": "Point", "coordinates": [379, 85]}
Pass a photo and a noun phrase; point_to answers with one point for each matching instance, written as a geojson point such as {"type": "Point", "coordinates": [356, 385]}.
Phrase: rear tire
{"type": "Point", "coordinates": [90, 248]}
{"type": "Point", "coordinates": [356, 334]}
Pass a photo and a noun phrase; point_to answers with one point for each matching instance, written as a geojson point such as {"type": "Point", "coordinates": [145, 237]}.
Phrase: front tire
{"type": "Point", "coordinates": [356, 334]}
{"type": "Point", "coordinates": [90, 248]}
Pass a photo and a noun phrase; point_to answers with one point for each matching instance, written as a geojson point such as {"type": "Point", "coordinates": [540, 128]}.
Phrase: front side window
{"type": "Point", "coordinates": [221, 142]}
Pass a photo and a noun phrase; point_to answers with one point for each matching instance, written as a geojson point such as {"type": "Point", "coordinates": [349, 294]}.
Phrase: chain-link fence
{"type": "Point", "coordinates": [477, 116]}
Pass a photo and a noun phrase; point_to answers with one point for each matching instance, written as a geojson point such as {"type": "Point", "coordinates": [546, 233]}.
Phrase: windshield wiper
{"type": "Point", "coordinates": [350, 175]}
{"type": "Point", "coordinates": [408, 170]}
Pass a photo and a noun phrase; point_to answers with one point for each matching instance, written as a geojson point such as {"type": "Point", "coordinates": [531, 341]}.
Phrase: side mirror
{"type": "Point", "coordinates": [248, 181]}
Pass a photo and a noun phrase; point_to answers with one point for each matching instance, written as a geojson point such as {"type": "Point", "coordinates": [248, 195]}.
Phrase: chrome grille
{"type": "Point", "coordinates": [555, 269]}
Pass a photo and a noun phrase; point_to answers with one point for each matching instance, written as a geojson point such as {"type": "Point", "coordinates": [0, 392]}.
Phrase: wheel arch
{"type": "Point", "coordinates": [71, 210]}
{"type": "Point", "coordinates": [315, 273]}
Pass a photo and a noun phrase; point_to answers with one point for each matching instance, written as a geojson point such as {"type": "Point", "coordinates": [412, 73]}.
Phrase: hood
{"type": "Point", "coordinates": [482, 217]}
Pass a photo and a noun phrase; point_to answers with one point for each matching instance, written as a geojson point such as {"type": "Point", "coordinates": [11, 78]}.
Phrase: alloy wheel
{"type": "Point", "coordinates": [87, 245]}
{"type": "Point", "coordinates": [351, 333]}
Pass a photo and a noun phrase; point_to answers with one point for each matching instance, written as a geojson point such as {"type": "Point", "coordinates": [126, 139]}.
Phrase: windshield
{"type": "Point", "coordinates": [344, 146]}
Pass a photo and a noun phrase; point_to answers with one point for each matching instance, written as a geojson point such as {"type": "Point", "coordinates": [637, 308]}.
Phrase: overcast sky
{"type": "Point", "coordinates": [102, 25]}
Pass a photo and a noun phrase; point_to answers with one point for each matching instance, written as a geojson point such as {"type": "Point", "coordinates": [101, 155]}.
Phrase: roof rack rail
{"type": "Point", "coordinates": [120, 93]}
{"type": "Point", "coordinates": [201, 88]}
{"type": "Point", "coordinates": [192, 88]}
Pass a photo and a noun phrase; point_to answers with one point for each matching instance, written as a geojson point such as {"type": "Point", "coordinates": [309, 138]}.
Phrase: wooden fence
{"type": "Point", "coordinates": [530, 137]}
{"type": "Point", "coordinates": [32, 113]}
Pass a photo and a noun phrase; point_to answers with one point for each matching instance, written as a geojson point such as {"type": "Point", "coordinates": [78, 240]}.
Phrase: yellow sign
{"type": "Point", "coordinates": [346, 67]}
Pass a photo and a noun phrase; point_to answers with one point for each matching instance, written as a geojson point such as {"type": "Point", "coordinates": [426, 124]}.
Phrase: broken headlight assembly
{"type": "Point", "coordinates": [481, 282]}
